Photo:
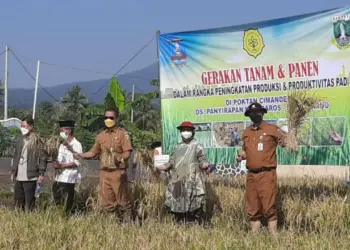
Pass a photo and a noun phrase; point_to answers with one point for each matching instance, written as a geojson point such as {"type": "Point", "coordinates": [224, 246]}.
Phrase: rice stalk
{"type": "Point", "coordinates": [144, 159]}
{"type": "Point", "coordinates": [299, 105]}
{"type": "Point", "coordinates": [51, 147]}
{"type": "Point", "coordinates": [312, 215]}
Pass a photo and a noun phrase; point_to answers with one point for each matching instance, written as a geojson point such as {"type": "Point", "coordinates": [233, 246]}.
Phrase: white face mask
{"type": "Point", "coordinates": [63, 135]}
{"type": "Point", "coordinates": [186, 134]}
{"type": "Point", "coordinates": [24, 131]}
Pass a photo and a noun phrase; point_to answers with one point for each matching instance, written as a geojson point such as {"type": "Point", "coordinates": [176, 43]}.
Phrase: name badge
{"type": "Point", "coordinates": [243, 165]}
{"type": "Point", "coordinates": [260, 147]}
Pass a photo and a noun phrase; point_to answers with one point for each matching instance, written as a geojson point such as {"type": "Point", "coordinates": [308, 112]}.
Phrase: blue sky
{"type": "Point", "coordinates": [103, 35]}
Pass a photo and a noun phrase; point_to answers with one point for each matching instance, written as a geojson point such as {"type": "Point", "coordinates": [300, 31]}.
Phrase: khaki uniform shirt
{"type": "Point", "coordinates": [259, 145]}
{"type": "Point", "coordinates": [109, 144]}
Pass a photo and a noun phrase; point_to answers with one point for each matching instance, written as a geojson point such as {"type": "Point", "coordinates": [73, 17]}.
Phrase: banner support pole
{"type": "Point", "coordinates": [160, 93]}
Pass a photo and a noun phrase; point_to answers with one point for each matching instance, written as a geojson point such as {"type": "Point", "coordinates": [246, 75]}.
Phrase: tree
{"type": "Point", "coordinates": [6, 142]}
{"type": "Point", "coordinates": [141, 138]}
{"type": "Point", "coordinates": [156, 93]}
{"type": "Point", "coordinates": [46, 108]}
{"type": "Point", "coordinates": [73, 102]}
{"type": "Point", "coordinates": [146, 117]}
{"type": "Point", "coordinates": [147, 120]}
{"type": "Point", "coordinates": [46, 119]}
{"type": "Point", "coordinates": [92, 117]}
{"type": "Point", "coordinates": [146, 127]}
{"type": "Point", "coordinates": [19, 113]}
{"type": "Point", "coordinates": [86, 137]}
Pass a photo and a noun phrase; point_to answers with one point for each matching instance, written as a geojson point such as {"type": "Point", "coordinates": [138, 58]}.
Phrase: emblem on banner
{"type": "Point", "coordinates": [341, 31]}
{"type": "Point", "coordinates": [253, 42]}
{"type": "Point", "coordinates": [179, 59]}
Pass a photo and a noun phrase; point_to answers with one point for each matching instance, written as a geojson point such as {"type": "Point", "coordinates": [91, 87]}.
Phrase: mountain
{"type": "Point", "coordinates": [23, 98]}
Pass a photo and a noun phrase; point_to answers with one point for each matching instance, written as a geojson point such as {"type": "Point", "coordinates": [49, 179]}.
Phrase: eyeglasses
{"type": "Point", "coordinates": [109, 117]}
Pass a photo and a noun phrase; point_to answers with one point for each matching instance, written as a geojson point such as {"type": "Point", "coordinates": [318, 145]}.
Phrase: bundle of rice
{"type": "Point", "coordinates": [144, 161]}
{"type": "Point", "coordinates": [52, 145]}
{"type": "Point", "coordinates": [299, 105]}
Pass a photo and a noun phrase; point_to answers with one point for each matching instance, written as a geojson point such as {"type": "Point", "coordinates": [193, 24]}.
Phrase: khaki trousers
{"type": "Point", "coordinates": [114, 191]}
{"type": "Point", "coordinates": [261, 193]}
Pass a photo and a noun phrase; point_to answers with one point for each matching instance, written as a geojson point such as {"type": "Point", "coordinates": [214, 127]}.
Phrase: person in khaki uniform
{"type": "Point", "coordinates": [260, 141]}
{"type": "Point", "coordinates": [113, 147]}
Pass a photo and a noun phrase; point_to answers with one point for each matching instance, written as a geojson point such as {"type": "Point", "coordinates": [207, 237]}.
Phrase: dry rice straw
{"type": "Point", "coordinates": [144, 158]}
{"type": "Point", "coordinates": [299, 105]}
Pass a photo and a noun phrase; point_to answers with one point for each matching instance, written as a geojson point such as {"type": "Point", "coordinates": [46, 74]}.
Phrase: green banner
{"type": "Point", "coordinates": [209, 77]}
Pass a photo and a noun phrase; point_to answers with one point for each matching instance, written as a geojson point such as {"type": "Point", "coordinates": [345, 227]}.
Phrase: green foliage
{"type": "Point", "coordinates": [116, 92]}
{"type": "Point", "coordinates": [89, 117]}
{"type": "Point", "coordinates": [73, 102]}
{"type": "Point", "coordinates": [14, 131]}
{"type": "Point", "coordinates": [6, 142]}
{"type": "Point", "coordinates": [321, 127]}
{"type": "Point", "coordinates": [86, 138]}
{"type": "Point", "coordinates": [156, 93]}
{"type": "Point", "coordinates": [109, 102]}
{"type": "Point", "coordinates": [140, 138]}
{"type": "Point", "coordinates": [46, 127]}
{"type": "Point", "coordinates": [92, 117]}
{"type": "Point", "coordinates": [19, 113]}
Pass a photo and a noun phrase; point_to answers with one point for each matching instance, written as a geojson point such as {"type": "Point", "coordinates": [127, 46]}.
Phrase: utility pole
{"type": "Point", "coordinates": [6, 82]}
{"type": "Point", "coordinates": [132, 99]}
{"type": "Point", "coordinates": [36, 88]}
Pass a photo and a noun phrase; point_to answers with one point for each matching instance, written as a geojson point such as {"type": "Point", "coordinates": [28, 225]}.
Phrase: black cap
{"type": "Point", "coordinates": [255, 107]}
{"type": "Point", "coordinates": [66, 124]}
{"type": "Point", "coordinates": [156, 144]}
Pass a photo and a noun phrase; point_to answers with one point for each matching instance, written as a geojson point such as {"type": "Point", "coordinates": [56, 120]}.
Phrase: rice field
{"type": "Point", "coordinates": [322, 127]}
{"type": "Point", "coordinates": [313, 214]}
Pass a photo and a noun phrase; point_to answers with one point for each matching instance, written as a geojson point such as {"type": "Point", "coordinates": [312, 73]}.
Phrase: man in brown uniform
{"type": "Point", "coordinates": [113, 146]}
{"type": "Point", "coordinates": [260, 141]}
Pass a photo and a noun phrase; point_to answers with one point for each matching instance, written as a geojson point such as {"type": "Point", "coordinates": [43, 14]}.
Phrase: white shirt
{"type": "Point", "coordinates": [69, 175]}
{"type": "Point", "coordinates": [159, 149]}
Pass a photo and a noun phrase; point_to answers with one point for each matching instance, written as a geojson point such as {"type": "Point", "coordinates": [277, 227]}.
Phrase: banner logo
{"type": "Point", "coordinates": [179, 59]}
{"type": "Point", "coordinates": [253, 42]}
{"type": "Point", "coordinates": [341, 31]}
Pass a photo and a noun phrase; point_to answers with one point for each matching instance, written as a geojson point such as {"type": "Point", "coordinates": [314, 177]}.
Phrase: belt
{"type": "Point", "coordinates": [260, 170]}
{"type": "Point", "coordinates": [111, 169]}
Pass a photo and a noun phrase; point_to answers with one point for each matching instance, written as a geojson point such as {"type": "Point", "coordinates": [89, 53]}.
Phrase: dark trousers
{"type": "Point", "coordinates": [197, 216]}
{"type": "Point", "coordinates": [25, 195]}
{"type": "Point", "coordinates": [63, 194]}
